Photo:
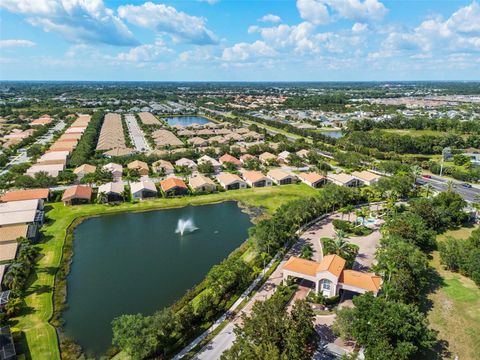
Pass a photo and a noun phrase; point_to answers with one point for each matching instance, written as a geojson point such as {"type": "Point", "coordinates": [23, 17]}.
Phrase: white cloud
{"type": "Point", "coordinates": [359, 27]}
{"type": "Point", "coordinates": [211, 2]}
{"type": "Point", "coordinates": [270, 18]}
{"type": "Point", "coordinates": [459, 33]}
{"type": "Point", "coordinates": [77, 20]}
{"type": "Point", "coordinates": [146, 53]}
{"type": "Point", "coordinates": [16, 43]}
{"type": "Point", "coordinates": [246, 51]}
{"type": "Point", "coordinates": [320, 12]}
{"type": "Point", "coordinates": [167, 20]}
{"type": "Point", "coordinates": [314, 11]}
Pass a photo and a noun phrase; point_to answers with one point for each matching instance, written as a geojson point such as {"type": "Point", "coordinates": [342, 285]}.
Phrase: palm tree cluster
{"type": "Point", "coordinates": [20, 269]}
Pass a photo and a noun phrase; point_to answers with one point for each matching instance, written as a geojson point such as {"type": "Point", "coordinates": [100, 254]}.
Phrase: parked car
{"type": "Point", "coordinates": [467, 185]}
{"type": "Point", "coordinates": [427, 176]}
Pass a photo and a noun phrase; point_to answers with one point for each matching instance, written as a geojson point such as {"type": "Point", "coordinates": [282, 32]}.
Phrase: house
{"type": "Point", "coordinates": [227, 158]}
{"type": "Point", "coordinates": [312, 179]}
{"type": "Point", "coordinates": [366, 177]}
{"type": "Point", "coordinates": [197, 142]}
{"type": "Point", "coordinates": [217, 140]}
{"type": "Point", "coordinates": [7, 347]}
{"type": "Point", "coordinates": [143, 189]}
{"type": "Point", "coordinates": [115, 169]}
{"type": "Point", "coordinates": [21, 212]}
{"type": "Point", "coordinates": [303, 153]}
{"type": "Point", "coordinates": [245, 157]}
{"type": "Point", "coordinates": [184, 162]}
{"type": "Point", "coordinates": [83, 170]}
{"type": "Point", "coordinates": [111, 192]}
{"type": "Point", "coordinates": [11, 233]}
{"type": "Point", "coordinates": [267, 158]}
{"type": "Point", "coordinates": [77, 194]}
{"type": "Point", "coordinates": [205, 158]}
{"type": "Point", "coordinates": [201, 183]}
{"type": "Point", "coordinates": [115, 152]}
{"type": "Point", "coordinates": [174, 187]}
{"type": "Point", "coordinates": [231, 181]}
{"type": "Point", "coordinates": [26, 194]}
{"type": "Point", "coordinates": [343, 179]}
{"type": "Point", "coordinates": [8, 251]}
{"type": "Point", "coordinates": [140, 166]}
{"type": "Point", "coordinates": [330, 276]}
{"type": "Point", "coordinates": [54, 157]}
{"type": "Point", "coordinates": [50, 169]}
{"type": "Point", "coordinates": [163, 166]}
{"type": "Point", "coordinates": [256, 179]}
{"type": "Point", "coordinates": [281, 177]}
{"type": "Point", "coordinates": [283, 157]}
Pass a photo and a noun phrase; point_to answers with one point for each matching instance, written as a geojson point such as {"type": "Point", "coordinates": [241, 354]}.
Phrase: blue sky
{"type": "Point", "coordinates": [249, 40]}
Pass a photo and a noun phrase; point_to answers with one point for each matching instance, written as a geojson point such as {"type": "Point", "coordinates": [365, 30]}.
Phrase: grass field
{"type": "Point", "coordinates": [37, 336]}
{"type": "Point", "coordinates": [413, 132]}
{"type": "Point", "coordinates": [456, 308]}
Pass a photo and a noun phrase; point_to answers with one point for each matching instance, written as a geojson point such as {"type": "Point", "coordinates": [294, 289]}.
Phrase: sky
{"type": "Point", "coordinates": [247, 40]}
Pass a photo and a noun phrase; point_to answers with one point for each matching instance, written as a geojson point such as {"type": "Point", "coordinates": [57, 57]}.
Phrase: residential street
{"type": "Point", "coordinates": [322, 228]}
{"type": "Point", "coordinates": [136, 133]}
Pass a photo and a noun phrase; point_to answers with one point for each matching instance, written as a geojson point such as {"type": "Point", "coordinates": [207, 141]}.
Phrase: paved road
{"type": "Point", "coordinates": [440, 184]}
{"type": "Point", "coordinates": [22, 156]}
{"type": "Point", "coordinates": [136, 133]}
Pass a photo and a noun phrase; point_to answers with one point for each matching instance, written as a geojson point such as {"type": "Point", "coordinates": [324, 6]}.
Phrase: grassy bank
{"type": "Point", "coordinates": [38, 336]}
{"type": "Point", "coordinates": [455, 312]}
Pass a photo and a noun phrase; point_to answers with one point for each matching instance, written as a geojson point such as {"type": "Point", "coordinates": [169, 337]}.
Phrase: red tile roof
{"type": "Point", "coordinates": [77, 192]}
{"type": "Point", "coordinates": [27, 194]}
{"type": "Point", "coordinates": [171, 183]}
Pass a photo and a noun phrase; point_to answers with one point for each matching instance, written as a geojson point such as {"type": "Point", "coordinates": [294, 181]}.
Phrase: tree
{"type": "Point", "coordinates": [206, 167]}
{"type": "Point", "coordinates": [410, 227]}
{"type": "Point", "coordinates": [387, 329]}
{"type": "Point", "coordinates": [13, 306]}
{"type": "Point", "coordinates": [134, 334]}
{"type": "Point", "coordinates": [34, 150]}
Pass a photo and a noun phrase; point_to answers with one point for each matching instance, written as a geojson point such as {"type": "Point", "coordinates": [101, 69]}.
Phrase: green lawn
{"type": "Point", "coordinates": [455, 313]}
{"type": "Point", "coordinates": [38, 336]}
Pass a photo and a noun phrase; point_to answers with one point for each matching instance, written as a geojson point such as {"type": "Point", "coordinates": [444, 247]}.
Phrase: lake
{"type": "Point", "coordinates": [136, 263]}
{"type": "Point", "coordinates": [334, 134]}
{"type": "Point", "coordinates": [186, 120]}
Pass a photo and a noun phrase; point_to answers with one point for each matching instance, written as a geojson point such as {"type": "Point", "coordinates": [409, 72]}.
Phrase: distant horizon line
{"type": "Point", "coordinates": [251, 81]}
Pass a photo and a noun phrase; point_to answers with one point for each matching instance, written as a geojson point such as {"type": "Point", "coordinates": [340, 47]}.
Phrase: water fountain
{"type": "Point", "coordinates": [185, 225]}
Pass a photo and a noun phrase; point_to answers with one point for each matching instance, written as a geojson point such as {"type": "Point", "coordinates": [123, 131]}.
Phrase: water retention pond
{"type": "Point", "coordinates": [139, 263]}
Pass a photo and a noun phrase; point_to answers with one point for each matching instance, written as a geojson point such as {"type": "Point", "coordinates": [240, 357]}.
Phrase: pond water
{"type": "Point", "coordinates": [333, 134]}
{"type": "Point", "coordinates": [139, 263]}
{"type": "Point", "coordinates": [186, 120]}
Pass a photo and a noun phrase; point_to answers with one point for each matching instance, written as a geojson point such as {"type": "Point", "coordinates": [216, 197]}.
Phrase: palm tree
{"type": "Point", "coordinates": [350, 209]}
{"type": "Point", "coordinates": [343, 211]}
{"type": "Point", "coordinates": [450, 185]}
{"type": "Point", "coordinates": [102, 198]}
{"type": "Point", "coordinates": [339, 244]}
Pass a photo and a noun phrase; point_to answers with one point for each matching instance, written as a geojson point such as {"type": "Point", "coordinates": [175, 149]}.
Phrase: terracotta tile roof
{"type": "Point", "coordinates": [171, 183]}
{"type": "Point", "coordinates": [361, 280]}
{"type": "Point", "coordinates": [253, 176]}
{"type": "Point", "coordinates": [302, 266]}
{"type": "Point", "coordinates": [267, 156]}
{"type": "Point", "coordinates": [229, 158]}
{"type": "Point", "coordinates": [137, 164]}
{"type": "Point", "coordinates": [77, 192]}
{"type": "Point", "coordinates": [333, 264]}
{"type": "Point", "coordinates": [28, 194]}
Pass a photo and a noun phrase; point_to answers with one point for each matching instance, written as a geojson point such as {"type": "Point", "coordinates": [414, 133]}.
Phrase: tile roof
{"type": "Point", "coordinates": [27, 194]}
{"type": "Point", "coordinates": [8, 251]}
{"type": "Point", "coordinates": [227, 178]}
{"type": "Point", "coordinates": [85, 168]}
{"type": "Point", "coordinates": [311, 177]}
{"type": "Point", "coordinates": [229, 158]}
{"type": "Point", "coordinates": [253, 176]}
{"type": "Point", "coordinates": [333, 264]}
{"type": "Point", "coordinates": [77, 192]}
{"type": "Point", "coordinates": [278, 174]}
{"type": "Point", "coordinates": [361, 280]}
{"type": "Point", "coordinates": [171, 183]}
{"type": "Point", "coordinates": [365, 175]}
